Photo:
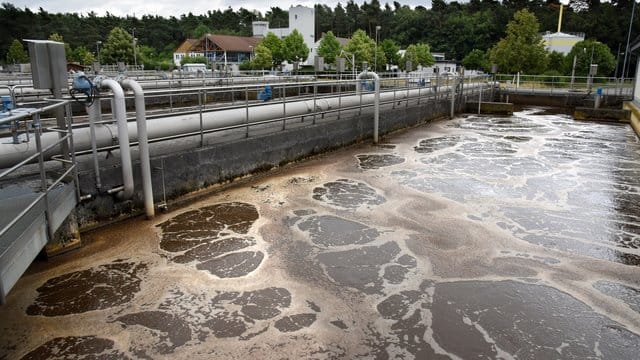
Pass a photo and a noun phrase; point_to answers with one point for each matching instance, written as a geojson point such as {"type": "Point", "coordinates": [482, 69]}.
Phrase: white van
{"type": "Point", "coordinates": [195, 68]}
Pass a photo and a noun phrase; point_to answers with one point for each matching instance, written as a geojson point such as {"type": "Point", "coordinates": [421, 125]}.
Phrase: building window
{"type": "Point", "coordinates": [296, 17]}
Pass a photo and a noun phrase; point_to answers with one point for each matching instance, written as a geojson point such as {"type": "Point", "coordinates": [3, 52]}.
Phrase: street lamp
{"type": "Point", "coordinates": [375, 56]}
{"type": "Point", "coordinates": [135, 58]}
{"type": "Point", "coordinates": [98, 43]}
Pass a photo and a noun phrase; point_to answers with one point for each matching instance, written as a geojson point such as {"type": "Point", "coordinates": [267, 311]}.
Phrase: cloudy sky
{"type": "Point", "coordinates": [174, 7]}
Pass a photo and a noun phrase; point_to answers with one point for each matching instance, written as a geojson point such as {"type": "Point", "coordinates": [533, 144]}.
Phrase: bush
{"type": "Point", "coordinates": [553, 77]}
{"type": "Point", "coordinates": [245, 65]}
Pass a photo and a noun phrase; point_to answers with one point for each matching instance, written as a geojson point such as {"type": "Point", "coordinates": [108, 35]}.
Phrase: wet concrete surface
{"type": "Point", "coordinates": [514, 237]}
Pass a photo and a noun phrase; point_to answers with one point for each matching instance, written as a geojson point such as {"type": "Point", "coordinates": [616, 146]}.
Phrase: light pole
{"type": "Point", "coordinates": [375, 56]}
{"type": "Point", "coordinates": [135, 58]}
{"type": "Point", "coordinates": [615, 74]}
{"type": "Point", "coordinates": [626, 50]}
{"type": "Point", "coordinates": [98, 43]}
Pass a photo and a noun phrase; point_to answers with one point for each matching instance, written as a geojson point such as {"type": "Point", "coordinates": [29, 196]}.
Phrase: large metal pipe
{"type": "Point", "coordinates": [11, 154]}
{"type": "Point", "coordinates": [143, 144]}
{"type": "Point", "coordinates": [120, 116]}
{"type": "Point", "coordinates": [376, 100]}
{"type": "Point", "coordinates": [95, 115]}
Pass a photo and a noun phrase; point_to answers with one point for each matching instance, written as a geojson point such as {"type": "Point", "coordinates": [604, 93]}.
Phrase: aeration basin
{"type": "Point", "coordinates": [481, 236]}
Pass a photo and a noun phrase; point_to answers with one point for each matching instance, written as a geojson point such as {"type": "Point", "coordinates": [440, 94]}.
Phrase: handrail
{"type": "Point", "coordinates": [30, 112]}
{"type": "Point", "coordinates": [46, 187]}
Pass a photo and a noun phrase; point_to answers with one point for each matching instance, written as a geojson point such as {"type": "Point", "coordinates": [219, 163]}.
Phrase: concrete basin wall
{"type": "Point", "coordinates": [193, 169]}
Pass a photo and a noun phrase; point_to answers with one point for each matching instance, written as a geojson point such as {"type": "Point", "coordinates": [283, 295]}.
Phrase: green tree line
{"type": "Point", "coordinates": [453, 28]}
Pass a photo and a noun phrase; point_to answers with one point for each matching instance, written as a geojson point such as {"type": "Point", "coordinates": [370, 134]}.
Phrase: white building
{"type": "Point", "coordinates": [561, 42]}
{"type": "Point", "coordinates": [301, 18]}
{"type": "Point", "coordinates": [313, 50]}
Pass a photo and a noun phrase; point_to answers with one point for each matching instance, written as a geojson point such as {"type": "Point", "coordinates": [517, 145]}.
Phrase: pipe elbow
{"type": "Point", "coordinates": [125, 194]}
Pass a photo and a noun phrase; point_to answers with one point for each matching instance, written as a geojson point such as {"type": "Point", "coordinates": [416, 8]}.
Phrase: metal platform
{"type": "Point", "coordinates": [24, 212]}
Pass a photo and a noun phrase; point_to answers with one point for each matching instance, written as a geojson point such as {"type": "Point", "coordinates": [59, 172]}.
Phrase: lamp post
{"type": "Point", "coordinates": [375, 56]}
{"type": "Point", "coordinates": [626, 50]}
{"type": "Point", "coordinates": [206, 48]}
{"type": "Point", "coordinates": [135, 58]}
{"type": "Point", "coordinates": [98, 43]}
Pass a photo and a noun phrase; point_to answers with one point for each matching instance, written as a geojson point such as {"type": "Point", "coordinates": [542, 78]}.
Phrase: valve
{"type": "Point", "coordinates": [83, 85]}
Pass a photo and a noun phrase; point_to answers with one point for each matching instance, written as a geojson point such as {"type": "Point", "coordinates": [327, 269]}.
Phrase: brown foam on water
{"type": "Point", "coordinates": [212, 236]}
{"type": "Point", "coordinates": [76, 347]}
{"type": "Point", "coordinates": [174, 331]}
{"type": "Point", "coordinates": [348, 194]}
{"type": "Point", "coordinates": [97, 288]}
{"type": "Point", "coordinates": [377, 161]}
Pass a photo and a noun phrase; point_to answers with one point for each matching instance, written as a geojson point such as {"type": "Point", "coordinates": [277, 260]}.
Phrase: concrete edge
{"type": "Point", "coordinates": [635, 116]}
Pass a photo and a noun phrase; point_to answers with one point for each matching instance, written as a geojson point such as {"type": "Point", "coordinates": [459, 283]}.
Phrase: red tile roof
{"type": "Point", "coordinates": [219, 42]}
{"type": "Point", "coordinates": [186, 45]}
{"type": "Point", "coordinates": [234, 43]}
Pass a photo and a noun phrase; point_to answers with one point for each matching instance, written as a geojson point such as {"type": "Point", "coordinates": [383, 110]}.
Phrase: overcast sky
{"type": "Point", "coordinates": [175, 7]}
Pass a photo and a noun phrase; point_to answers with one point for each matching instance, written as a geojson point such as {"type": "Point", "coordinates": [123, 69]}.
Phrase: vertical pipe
{"type": "Point", "coordinates": [72, 149]}
{"type": "Point", "coordinates": [452, 89]}
{"type": "Point", "coordinates": [143, 143]}
{"type": "Point", "coordinates": [480, 99]}
{"type": "Point", "coordinates": [120, 116]}
{"type": "Point", "coordinates": [376, 111]}
{"type": "Point", "coordinates": [94, 112]}
{"type": "Point", "coordinates": [376, 100]}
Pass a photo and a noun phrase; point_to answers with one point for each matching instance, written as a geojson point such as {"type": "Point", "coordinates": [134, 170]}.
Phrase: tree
{"type": "Point", "coordinates": [82, 55]}
{"type": "Point", "coordinates": [329, 48]}
{"type": "Point", "coordinates": [390, 50]}
{"type": "Point", "coordinates": [117, 47]}
{"type": "Point", "coordinates": [262, 59]}
{"type": "Point", "coordinates": [67, 48]}
{"type": "Point", "coordinates": [294, 48]}
{"type": "Point", "coordinates": [557, 62]}
{"type": "Point", "coordinates": [583, 50]}
{"type": "Point", "coordinates": [521, 50]}
{"type": "Point", "coordinates": [476, 60]}
{"type": "Point", "coordinates": [419, 54]}
{"type": "Point", "coordinates": [274, 44]}
{"type": "Point", "coordinates": [200, 31]}
{"type": "Point", "coordinates": [361, 47]}
{"type": "Point", "coordinates": [16, 53]}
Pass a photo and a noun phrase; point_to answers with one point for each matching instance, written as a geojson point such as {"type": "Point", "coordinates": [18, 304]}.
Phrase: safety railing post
{"type": "Point", "coordinates": [170, 97]}
{"type": "Point", "coordinates": [246, 110]}
{"type": "Point", "coordinates": [339, 97]}
{"type": "Point", "coordinates": [360, 105]}
{"type": "Point", "coordinates": [200, 114]}
{"type": "Point", "coordinates": [395, 85]}
{"type": "Point", "coordinates": [43, 175]}
{"type": "Point", "coordinates": [315, 107]}
{"type": "Point", "coordinates": [284, 107]}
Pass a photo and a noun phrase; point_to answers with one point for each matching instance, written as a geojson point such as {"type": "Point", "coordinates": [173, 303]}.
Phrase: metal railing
{"type": "Point", "coordinates": [560, 85]}
{"type": "Point", "coordinates": [48, 179]}
{"type": "Point", "coordinates": [204, 100]}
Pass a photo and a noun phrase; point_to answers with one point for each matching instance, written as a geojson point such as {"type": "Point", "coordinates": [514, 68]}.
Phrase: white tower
{"type": "Point", "coordinates": [260, 28]}
{"type": "Point", "coordinates": [303, 19]}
